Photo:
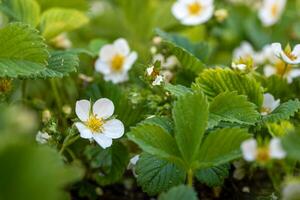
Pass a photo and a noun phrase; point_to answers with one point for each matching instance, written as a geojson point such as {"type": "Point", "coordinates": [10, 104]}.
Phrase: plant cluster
{"type": "Point", "coordinates": [164, 99]}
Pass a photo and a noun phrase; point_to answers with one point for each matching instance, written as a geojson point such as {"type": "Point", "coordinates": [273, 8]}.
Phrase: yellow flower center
{"type": "Point", "coordinates": [265, 110]}
{"type": "Point", "coordinates": [95, 124]}
{"type": "Point", "coordinates": [194, 8]}
{"type": "Point", "coordinates": [263, 154]}
{"type": "Point", "coordinates": [274, 9]}
{"type": "Point", "coordinates": [117, 62]}
{"type": "Point", "coordinates": [290, 55]}
{"type": "Point", "coordinates": [282, 68]}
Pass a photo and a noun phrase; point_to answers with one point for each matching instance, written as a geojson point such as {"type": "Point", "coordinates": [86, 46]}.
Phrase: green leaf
{"type": "Point", "coordinates": [61, 63]}
{"type": "Point", "coordinates": [179, 193]}
{"type": "Point", "coordinates": [215, 81]}
{"type": "Point", "coordinates": [291, 144]}
{"type": "Point", "coordinates": [177, 90]}
{"type": "Point", "coordinates": [156, 175]}
{"type": "Point", "coordinates": [283, 112]}
{"type": "Point", "coordinates": [58, 20]}
{"type": "Point", "coordinates": [221, 146]}
{"type": "Point", "coordinates": [190, 114]}
{"type": "Point", "coordinates": [234, 108]}
{"type": "Point", "coordinates": [155, 140]}
{"type": "Point", "coordinates": [163, 122]}
{"type": "Point", "coordinates": [23, 52]}
{"type": "Point", "coordinates": [180, 47]}
{"type": "Point", "coordinates": [213, 176]}
{"type": "Point", "coordinates": [110, 162]}
{"type": "Point", "coordinates": [37, 172]}
{"type": "Point", "coordinates": [76, 4]}
{"type": "Point", "coordinates": [26, 11]}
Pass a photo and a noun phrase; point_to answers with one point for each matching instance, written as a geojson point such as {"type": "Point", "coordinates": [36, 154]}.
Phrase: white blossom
{"type": "Point", "coordinates": [96, 123]}
{"type": "Point", "coordinates": [193, 12]}
{"type": "Point", "coordinates": [115, 61]}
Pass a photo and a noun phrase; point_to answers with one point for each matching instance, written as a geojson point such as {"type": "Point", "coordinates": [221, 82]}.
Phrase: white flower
{"type": "Point", "coordinates": [287, 55]}
{"type": "Point", "coordinates": [62, 41]}
{"type": "Point", "coordinates": [158, 80]}
{"type": "Point", "coordinates": [283, 70]}
{"type": "Point", "coordinates": [269, 104]}
{"type": "Point", "coordinates": [271, 11]}
{"type": "Point", "coordinates": [193, 12]}
{"type": "Point", "coordinates": [96, 124]}
{"type": "Point", "coordinates": [149, 70]}
{"type": "Point", "coordinates": [168, 63]}
{"type": "Point", "coordinates": [115, 61]}
{"type": "Point", "coordinates": [251, 151]}
{"type": "Point", "coordinates": [42, 137]}
{"type": "Point", "coordinates": [276, 150]}
{"type": "Point", "coordinates": [239, 66]}
{"type": "Point", "coordinates": [243, 51]}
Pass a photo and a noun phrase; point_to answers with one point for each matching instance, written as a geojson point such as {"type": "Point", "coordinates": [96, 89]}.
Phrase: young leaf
{"type": "Point", "coordinates": [283, 112]}
{"type": "Point", "coordinates": [213, 176]}
{"type": "Point", "coordinates": [180, 47]}
{"type": "Point", "coordinates": [181, 192]}
{"type": "Point", "coordinates": [231, 107]}
{"type": "Point", "coordinates": [26, 11]}
{"type": "Point", "coordinates": [23, 52]}
{"type": "Point", "coordinates": [58, 20]}
{"type": "Point", "coordinates": [190, 114]}
{"type": "Point", "coordinates": [221, 146]}
{"type": "Point", "coordinates": [177, 90]}
{"type": "Point", "coordinates": [155, 140]}
{"type": "Point", "coordinates": [215, 81]}
{"type": "Point", "coordinates": [156, 175]}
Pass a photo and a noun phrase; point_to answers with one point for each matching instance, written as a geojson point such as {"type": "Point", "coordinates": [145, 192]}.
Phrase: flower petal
{"type": "Point", "coordinates": [113, 128]}
{"type": "Point", "coordinates": [107, 52]}
{"type": "Point", "coordinates": [276, 150]}
{"type": "Point", "coordinates": [103, 108]}
{"type": "Point", "coordinates": [277, 49]}
{"type": "Point", "coordinates": [116, 77]}
{"type": "Point", "coordinates": [122, 47]}
{"type": "Point", "coordinates": [296, 50]}
{"type": "Point", "coordinates": [82, 109]}
{"type": "Point", "coordinates": [102, 140]}
{"type": "Point", "coordinates": [269, 70]}
{"type": "Point", "coordinates": [249, 149]}
{"type": "Point", "coordinates": [84, 131]}
{"type": "Point", "coordinates": [102, 67]}
{"type": "Point", "coordinates": [269, 102]}
{"type": "Point", "coordinates": [129, 61]}
{"type": "Point", "coordinates": [179, 10]}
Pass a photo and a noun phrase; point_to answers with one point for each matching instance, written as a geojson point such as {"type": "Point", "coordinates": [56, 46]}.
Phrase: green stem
{"type": "Point", "coordinates": [284, 71]}
{"type": "Point", "coordinates": [56, 94]}
{"type": "Point", "coordinates": [68, 142]}
{"type": "Point", "coordinates": [190, 175]}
